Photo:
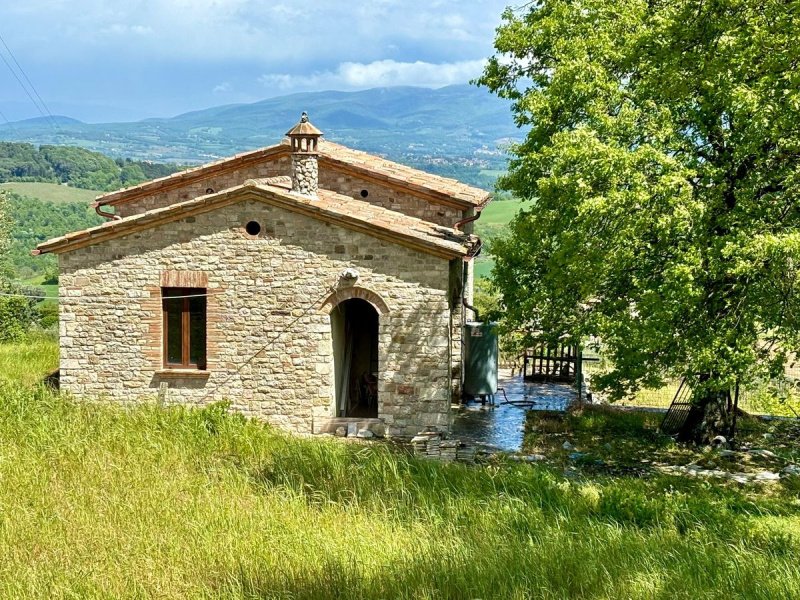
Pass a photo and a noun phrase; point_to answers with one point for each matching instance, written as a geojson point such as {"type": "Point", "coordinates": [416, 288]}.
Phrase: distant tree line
{"type": "Point", "coordinates": [76, 167]}
{"type": "Point", "coordinates": [34, 221]}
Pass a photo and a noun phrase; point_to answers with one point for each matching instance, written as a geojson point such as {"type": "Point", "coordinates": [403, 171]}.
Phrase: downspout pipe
{"type": "Point", "coordinates": [98, 208]}
{"type": "Point", "coordinates": [472, 308]}
{"type": "Point", "coordinates": [462, 222]}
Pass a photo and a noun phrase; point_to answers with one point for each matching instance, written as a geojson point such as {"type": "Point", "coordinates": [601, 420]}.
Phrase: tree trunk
{"type": "Point", "coordinates": [710, 415]}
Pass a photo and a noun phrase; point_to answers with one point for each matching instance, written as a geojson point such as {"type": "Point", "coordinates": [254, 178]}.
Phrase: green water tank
{"type": "Point", "coordinates": [480, 358]}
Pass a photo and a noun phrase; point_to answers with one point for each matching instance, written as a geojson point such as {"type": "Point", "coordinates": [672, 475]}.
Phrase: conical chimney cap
{"type": "Point", "coordinates": [304, 128]}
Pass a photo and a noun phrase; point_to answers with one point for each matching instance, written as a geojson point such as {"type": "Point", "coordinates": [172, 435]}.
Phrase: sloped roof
{"type": "Point", "coordinates": [437, 189]}
{"type": "Point", "coordinates": [330, 207]}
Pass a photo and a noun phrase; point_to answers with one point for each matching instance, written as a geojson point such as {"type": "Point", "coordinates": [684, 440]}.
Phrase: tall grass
{"type": "Point", "coordinates": [29, 360]}
{"type": "Point", "coordinates": [100, 501]}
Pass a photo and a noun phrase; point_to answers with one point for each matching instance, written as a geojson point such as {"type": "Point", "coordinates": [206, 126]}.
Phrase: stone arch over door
{"type": "Point", "coordinates": [340, 295]}
{"type": "Point", "coordinates": [355, 319]}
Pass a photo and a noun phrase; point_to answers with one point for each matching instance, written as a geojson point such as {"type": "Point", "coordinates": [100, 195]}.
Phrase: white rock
{"type": "Point", "coordinates": [767, 476]}
{"type": "Point", "coordinates": [762, 452]}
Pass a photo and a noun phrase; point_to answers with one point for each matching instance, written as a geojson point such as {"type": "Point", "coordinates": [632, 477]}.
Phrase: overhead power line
{"type": "Point", "coordinates": [2, 116]}
{"type": "Point", "coordinates": [40, 104]}
{"type": "Point", "coordinates": [110, 298]}
{"type": "Point", "coordinates": [25, 75]}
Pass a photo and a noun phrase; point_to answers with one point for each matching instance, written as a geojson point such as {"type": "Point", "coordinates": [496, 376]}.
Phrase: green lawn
{"type": "Point", "coordinates": [50, 191]}
{"type": "Point", "coordinates": [100, 501]}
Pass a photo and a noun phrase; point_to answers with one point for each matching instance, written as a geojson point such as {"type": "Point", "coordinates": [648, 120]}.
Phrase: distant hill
{"type": "Point", "coordinates": [74, 167]}
{"type": "Point", "coordinates": [443, 130]}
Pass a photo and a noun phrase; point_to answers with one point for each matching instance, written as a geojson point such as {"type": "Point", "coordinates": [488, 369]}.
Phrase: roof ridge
{"type": "Point", "coordinates": [436, 188]}
{"type": "Point", "coordinates": [348, 212]}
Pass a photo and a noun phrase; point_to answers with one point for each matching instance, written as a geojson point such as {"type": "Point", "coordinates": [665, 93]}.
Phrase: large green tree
{"type": "Point", "coordinates": [663, 161]}
{"type": "Point", "coordinates": [16, 311]}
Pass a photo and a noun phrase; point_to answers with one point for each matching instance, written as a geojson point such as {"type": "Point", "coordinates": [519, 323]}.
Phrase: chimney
{"type": "Point", "coordinates": [305, 173]}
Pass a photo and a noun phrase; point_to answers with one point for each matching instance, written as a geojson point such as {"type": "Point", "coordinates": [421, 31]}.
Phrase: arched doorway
{"type": "Point", "coordinates": [354, 332]}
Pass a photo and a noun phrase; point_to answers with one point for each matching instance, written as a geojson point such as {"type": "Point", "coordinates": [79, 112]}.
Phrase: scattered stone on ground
{"type": "Point", "coordinates": [527, 457]}
{"type": "Point", "coordinates": [627, 443]}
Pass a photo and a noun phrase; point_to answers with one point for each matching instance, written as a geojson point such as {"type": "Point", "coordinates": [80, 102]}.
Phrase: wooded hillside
{"type": "Point", "coordinates": [75, 167]}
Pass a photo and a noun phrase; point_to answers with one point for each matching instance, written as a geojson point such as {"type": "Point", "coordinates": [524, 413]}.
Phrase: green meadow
{"type": "Point", "coordinates": [52, 192]}
{"type": "Point", "coordinates": [493, 222]}
{"type": "Point", "coordinates": [99, 500]}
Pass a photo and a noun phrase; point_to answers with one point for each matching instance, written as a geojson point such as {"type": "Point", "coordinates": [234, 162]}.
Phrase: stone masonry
{"type": "Point", "coordinates": [305, 174]}
{"type": "Point", "coordinates": [269, 332]}
{"type": "Point", "coordinates": [331, 177]}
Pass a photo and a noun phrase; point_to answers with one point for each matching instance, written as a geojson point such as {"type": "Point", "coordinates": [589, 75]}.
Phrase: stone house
{"type": "Point", "coordinates": [309, 284]}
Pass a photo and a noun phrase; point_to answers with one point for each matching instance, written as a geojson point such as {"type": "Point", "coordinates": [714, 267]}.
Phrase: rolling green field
{"type": "Point", "coordinates": [500, 212]}
{"type": "Point", "coordinates": [50, 290]}
{"type": "Point", "coordinates": [494, 220]}
{"type": "Point", "coordinates": [50, 191]}
{"type": "Point", "coordinates": [99, 500]}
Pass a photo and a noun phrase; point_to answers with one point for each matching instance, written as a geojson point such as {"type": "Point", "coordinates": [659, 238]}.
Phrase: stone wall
{"type": "Point", "coordinates": [329, 178]}
{"type": "Point", "coordinates": [305, 174]}
{"type": "Point", "coordinates": [269, 335]}
{"type": "Point", "coordinates": [385, 196]}
{"type": "Point", "coordinates": [278, 166]}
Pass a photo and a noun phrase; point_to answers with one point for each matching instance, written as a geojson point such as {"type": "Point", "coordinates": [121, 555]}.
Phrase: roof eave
{"type": "Point", "coordinates": [249, 190]}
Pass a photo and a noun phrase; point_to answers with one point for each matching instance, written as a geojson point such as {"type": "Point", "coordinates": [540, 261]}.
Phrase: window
{"type": "Point", "coordinates": [184, 327]}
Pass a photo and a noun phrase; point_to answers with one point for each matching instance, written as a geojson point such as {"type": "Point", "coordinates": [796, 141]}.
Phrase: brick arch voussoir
{"type": "Point", "coordinates": [349, 293]}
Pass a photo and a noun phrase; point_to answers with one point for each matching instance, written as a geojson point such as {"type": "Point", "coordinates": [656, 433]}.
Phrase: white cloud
{"type": "Point", "coordinates": [276, 31]}
{"type": "Point", "coordinates": [159, 56]}
{"type": "Point", "coordinates": [353, 75]}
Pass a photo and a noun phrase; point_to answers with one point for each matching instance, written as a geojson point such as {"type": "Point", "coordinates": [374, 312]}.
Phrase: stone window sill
{"type": "Point", "coordinates": [183, 373]}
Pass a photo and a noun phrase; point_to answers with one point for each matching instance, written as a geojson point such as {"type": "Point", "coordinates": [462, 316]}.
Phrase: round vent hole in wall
{"type": "Point", "coordinates": [253, 228]}
{"type": "Point", "coordinates": [364, 193]}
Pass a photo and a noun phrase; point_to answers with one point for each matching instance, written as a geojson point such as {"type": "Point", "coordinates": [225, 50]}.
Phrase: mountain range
{"type": "Point", "coordinates": [459, 124]}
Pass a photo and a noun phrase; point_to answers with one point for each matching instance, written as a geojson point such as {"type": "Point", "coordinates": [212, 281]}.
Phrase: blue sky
{"type": "Point", "coordinates": [130, 59]}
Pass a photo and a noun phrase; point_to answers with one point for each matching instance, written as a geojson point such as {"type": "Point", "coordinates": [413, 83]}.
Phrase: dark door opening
{"type": "Point", "coordinates": [354, 328]}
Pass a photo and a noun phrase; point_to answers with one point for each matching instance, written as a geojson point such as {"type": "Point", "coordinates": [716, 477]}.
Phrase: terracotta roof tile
{"type": "Point", "coordinates": [433, 187]}
{"type": "Point", "coordinates": [329, 206]}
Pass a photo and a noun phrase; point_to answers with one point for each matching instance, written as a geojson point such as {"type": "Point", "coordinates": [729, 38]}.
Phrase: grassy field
{"type": "Point", "coordinates": [27, 362]}
{"type": "Point", "coordinates": [100, 501]}
{"type": "Point", "coordinates": [494, 220]}
{"type": "Point", "coordinates": [499, 212]}
{"type": "Point", "coordinates": [50, 290]}
{"type": "Point", "coordinates": [50, 191]}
